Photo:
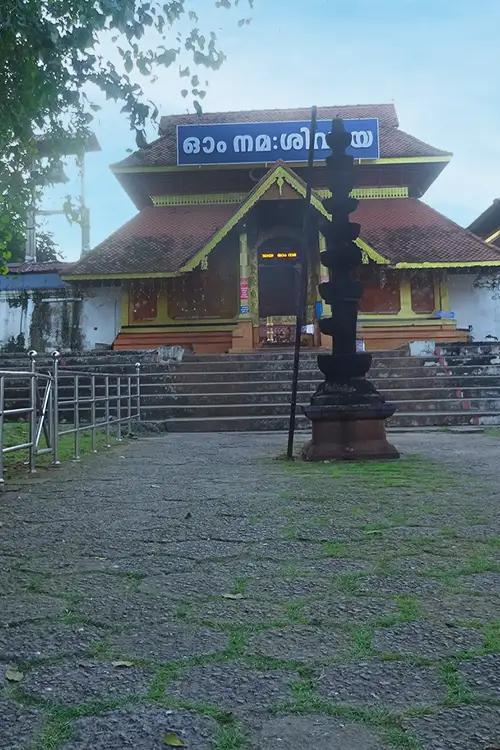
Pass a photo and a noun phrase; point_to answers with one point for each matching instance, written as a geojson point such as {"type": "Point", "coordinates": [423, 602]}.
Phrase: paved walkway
{"type": "Point", "coordinates": [190, 591]}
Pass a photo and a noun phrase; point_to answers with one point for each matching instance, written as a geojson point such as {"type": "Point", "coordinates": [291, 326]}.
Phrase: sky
{"type": "Point", "coordinates": [437, 60]}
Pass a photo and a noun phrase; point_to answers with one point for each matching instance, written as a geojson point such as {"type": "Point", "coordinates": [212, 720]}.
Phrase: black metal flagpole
{"type": "Point", "coordinates": [302, 295]}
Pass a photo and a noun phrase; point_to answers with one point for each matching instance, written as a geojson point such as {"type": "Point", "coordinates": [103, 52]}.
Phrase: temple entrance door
{"type": "Point", "coordinates": [279, 277]}
{"type": "Point", "coordinates": [278, 287]}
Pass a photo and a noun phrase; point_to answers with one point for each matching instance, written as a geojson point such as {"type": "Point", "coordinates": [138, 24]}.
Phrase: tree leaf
{"type": "Point", "coordinates": [173, 740]}
{"type": "Point", "coordinates": [13, 674]}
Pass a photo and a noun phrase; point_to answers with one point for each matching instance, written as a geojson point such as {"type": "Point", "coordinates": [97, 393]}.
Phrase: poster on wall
{"type": "Point", "coordinates": [244, 289]}
{"type": "Point", "coordinates": [267, 142]}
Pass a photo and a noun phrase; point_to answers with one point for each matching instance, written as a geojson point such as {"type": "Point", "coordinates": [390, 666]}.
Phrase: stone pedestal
{"type": "Point", "coordinates": [348, 413]}
{"type": "Point", "coordinates": [347, 434]}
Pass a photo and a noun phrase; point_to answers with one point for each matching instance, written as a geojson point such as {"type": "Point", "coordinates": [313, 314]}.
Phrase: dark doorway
{"type": "Point", "coordinates": [278, 282]}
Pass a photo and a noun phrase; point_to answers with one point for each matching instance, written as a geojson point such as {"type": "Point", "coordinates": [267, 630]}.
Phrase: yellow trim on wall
{"type": "Point", "coordinates": [208, 199]}
{"type": "Point", "coordinates": [198, 199]}
{"type": "Point", "coordinates": [267, 165]}
{"type": "Point", "coordinates": [444, 296]}
{"type": "Point", "coordinates": [450, 264]}
{"type": "Point", "coordinates": [371, 253]}
{"type": "Point", "coordinates": [370, 193]}
{"type": "Point", "coordinates": [409, 160]}
{"type": "Point", "coordinates": [406, 309]}
{"type": "Point", "coordinates": [394, 320]}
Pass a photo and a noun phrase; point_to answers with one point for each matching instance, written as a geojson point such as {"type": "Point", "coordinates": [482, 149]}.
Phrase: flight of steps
{"type": "Point", "coordinates": [460, 385]}
{"type": "Point", "coordinates": [252, 391]}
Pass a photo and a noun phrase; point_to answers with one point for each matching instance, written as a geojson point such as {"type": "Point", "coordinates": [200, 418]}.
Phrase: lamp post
{"type": "Point", "coordinates": [347, 412]}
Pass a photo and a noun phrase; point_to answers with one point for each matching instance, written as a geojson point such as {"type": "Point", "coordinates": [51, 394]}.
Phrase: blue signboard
{"type": "Point", "coordinates": [265, 142]}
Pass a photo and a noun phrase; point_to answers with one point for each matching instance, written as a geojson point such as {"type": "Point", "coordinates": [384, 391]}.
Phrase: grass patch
{"type": "Point", "coordinates": [229, 738]}
{"type": "Point", "coordinates": [240, 586]}
{"type": "Point", "coordinates": [493, 432]}
{"type": "Point", "coordinates": [362, 646]}
{"type": "Point", "coordinates": [294, 611]}
{"type": "Point", "coordinates": [458, 692]}
{"type": "Point", "coordinates": [399, 739]}
{"type": "Point", "coordinates": [334, 549]}
{"type": "Point", "coordinates": [408, 472]}
{"type": "Point", "coordinates": [57, 729]}
{"type": "Point", "coordinates": [409, 607]}
{"type": "Point", "coordinates": [16, 433]}
{"type": "Point", "coordinates": [491, 632]}
{"type": "Point", "coordinates": [238, 639]}
{"type": "Point", "coordinates": [348, 583]}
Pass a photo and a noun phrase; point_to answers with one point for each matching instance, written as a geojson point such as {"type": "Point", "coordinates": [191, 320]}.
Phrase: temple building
{"type": "Point", "coordinates": [211, 260]}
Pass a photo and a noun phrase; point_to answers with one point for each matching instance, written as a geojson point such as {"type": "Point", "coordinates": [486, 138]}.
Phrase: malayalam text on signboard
{"type": "Point", "coordinates": [264, 142]}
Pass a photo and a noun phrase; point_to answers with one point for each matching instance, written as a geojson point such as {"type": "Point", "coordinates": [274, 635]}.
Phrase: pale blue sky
{"type": "Point", "coordinates": [437, 60]}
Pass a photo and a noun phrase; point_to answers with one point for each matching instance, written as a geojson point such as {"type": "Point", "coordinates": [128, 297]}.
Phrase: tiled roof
{"type": "Point", "coordinates": [52, 266]}
{"type": "Point", "coordinates": [156, 240]}
{"type": "Point", "coordinates": [385, 112]}
{"type": "Point", "coordinates": [487, 222]}
{"type": "Point", "coordinates": [405, 230]}
{"type": "Point", "coordinates": [394, 143]}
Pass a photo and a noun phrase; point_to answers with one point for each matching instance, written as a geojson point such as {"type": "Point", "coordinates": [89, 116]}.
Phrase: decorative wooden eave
{"type": "Point", "coordinates": [452, 249]}
{"type": "Point", "coordinates": [279, 175]}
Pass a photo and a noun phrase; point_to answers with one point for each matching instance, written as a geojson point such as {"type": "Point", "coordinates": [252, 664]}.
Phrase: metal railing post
{"type": "Point", "coordinates": [138, 388]}
{"type": "Point", "coordinates": [106, 408]}
{"type": "Point", "coordinates": [92, 414]}
{"type": "Point", "coordinates": [119, 408]}
{"type": "Point", "coordinates": [2, 407]}
{"type": "Point", "coordinates": [129, 404]}
{"type": "Point", "coordinates": [32, 429]}
{"type": "Point", "coordinates": [55, 410]}
{"type": "Point", "coordinates": [76, 412]}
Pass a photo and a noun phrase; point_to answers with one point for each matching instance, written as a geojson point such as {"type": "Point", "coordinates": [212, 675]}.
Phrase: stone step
{"type": "Point", "coordinates": [165, 384]}
{"type": "Point", "coordinates": [398, 367]}
{"type": "Point", "coordinates": [155, 384]}
{"type": "Point", "coordinates": [177, 376]}
{"type": "Point", "coordinates": [280, 423]}
{"type": "Point", "coordinates": [174, 410]}
{"type": "Point", "coordinates": [151, 398]}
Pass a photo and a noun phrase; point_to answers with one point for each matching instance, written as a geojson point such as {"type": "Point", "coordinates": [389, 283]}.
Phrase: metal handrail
{"type": "Point", "coordinates": [44, 415]}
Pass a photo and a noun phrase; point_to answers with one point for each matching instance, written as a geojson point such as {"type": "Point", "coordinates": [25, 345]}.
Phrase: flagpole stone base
{"type": "Point", "coordinates": [348, 433]}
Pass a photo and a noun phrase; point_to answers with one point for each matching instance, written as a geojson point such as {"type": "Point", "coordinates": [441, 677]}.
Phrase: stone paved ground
{"type": "Point", "coordinates": [190, 590]}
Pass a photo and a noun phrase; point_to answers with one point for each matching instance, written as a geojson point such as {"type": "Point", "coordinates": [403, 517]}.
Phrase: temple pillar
{"type": "Point", "coordinates": [406, 309]}
{"type": "Point", "coordinates": [243, 332]}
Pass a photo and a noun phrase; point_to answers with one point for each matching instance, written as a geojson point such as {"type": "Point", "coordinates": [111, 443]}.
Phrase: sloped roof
{"type": "Point", "coordinates": [158, 240]}
{"type": "Point", "coordinates": [394, 143]}
{"type": "Point", "coordinates": [408, 232]}
{"type": "Point", "coordinates": [166, 240]}
{"type": "Point", "coordinates": [163, 240]}
{"type": "Point", "coordinates": [488, 222]}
